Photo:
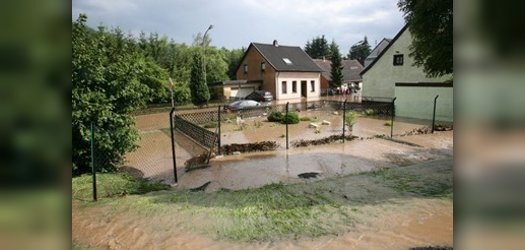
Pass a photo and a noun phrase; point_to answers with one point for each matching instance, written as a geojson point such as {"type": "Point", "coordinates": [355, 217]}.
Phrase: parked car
{"type": "Point", "coordinates": [260, 96]}
{"type": "Point", "coordinates": [242, 104]}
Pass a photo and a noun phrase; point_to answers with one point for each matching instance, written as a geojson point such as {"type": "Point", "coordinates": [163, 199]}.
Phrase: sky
{"type": "Point", "coordinates": [236, 23]}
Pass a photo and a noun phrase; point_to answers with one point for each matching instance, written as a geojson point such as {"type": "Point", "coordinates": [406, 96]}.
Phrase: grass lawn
{"type": "Point", "coordinates": [277, 211]}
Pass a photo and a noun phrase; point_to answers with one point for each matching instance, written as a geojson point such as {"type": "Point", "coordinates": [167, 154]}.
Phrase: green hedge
{"type": "Point", "coordinates": [275, 117]}
{"type": "Point", "coordinates": [290, 118]}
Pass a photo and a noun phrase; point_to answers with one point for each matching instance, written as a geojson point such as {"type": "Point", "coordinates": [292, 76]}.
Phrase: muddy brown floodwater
{"type": "Point", "coordinates": [397, 224]}
{"type": "Point", "coordinates": [262, 168]}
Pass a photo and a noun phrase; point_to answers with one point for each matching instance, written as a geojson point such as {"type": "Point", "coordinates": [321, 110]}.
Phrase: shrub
{"type": "Point", "coordinates": [275, 117]}
{"type": "Point", "coordinates": [210, 125]}
{"type": "Point", "coordinates": [369, 112]}
{"type": "Point", "coordinates": [350, 118]}
{"type": "Point", "coordinates": [305, 119]}
{"type": "Point", "coordinates": [388, 124]}
{"type": "Point", "coordinates": [290, 118]}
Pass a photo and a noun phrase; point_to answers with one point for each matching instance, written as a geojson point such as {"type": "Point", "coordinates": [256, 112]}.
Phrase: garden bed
{"type": "Point", "coordinates": [249, 147]}
{"type": "Point", "coordinates": [326, 140]}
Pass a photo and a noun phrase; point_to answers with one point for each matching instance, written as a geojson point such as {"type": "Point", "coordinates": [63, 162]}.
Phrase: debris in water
{"type": "Point", "coordinates": [201, 188]}
{"type": "Point", "coordinates": [236, 153]}
{"type": "Point", "coordinates": [325, 122]}
{"type": "Point", "coordinates": [431, 248]}
{"type": "Point", "coordinates": [308, 175]}
{"type": "Point", "coordinates": [249, 147]}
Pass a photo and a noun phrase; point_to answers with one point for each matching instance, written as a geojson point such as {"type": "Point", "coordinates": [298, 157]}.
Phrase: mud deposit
{"type": "Point", "coordinates": [326, 140]}
{"type": "Point", "coordinates": [249, 147]}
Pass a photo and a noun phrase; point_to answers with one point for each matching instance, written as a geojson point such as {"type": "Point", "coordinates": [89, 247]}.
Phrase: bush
{"type": "Point", "coordinates": [305, 119]}
{"type": "Point", "coordinates": [275, 117]}
{"type": "Point", "coordinates": [290, 118]}
{"type": "Point", "coordinates": [210, 125]}
{"type": "Point", "coordinates": [369, 112]}
{"type": "Point", "coordinates": [350, 118]}
{"type": "Point", "coordinates": [387, 124]}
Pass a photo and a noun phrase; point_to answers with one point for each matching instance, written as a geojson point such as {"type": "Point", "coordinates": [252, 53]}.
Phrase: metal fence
{"type": "Point", "coordinates": [201, 135]}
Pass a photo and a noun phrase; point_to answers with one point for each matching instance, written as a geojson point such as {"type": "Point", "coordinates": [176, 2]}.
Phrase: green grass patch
{"type": "Point", "coordinates": [404, 179]}
{"type": "Point", "coordinates": [269, 212]}
{"type": "Point", "coordinates": [111, 185]}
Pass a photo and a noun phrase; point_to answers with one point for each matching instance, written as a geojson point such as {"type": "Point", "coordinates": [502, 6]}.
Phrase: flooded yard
{"type": "Point", "coordinates": [368, 193]}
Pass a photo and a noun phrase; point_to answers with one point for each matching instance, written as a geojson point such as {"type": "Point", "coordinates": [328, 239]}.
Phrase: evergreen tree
{"type": "Point", "coordinates": [336, 73]}
{"type": "Point", "coordinates": [200, 94]}
{"type": "Point", "coordinates": [332, 49]}
{"type": "Point", "coordinates": [360, 51]}
{"type": "Point", "coordinates": [317, 48]}
{"type": "Point", "coordinates": [430, 23]}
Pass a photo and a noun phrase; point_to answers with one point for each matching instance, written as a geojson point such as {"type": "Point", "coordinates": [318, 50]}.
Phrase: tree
{"type": "Point", "coordinates": [430, 23]}
{"type": "Point", "coordinates": [200, 94]}
{"type": "Point", "coordinates": [336, 73]}
{"type": "Point", "coordinates": [106, 88]}
{"type": "Point", "coordinates": [317, 48]}
{"type": "Point", "coordinates": [359, 51]}
{"type": "Point", "coordinates": [332, 49]}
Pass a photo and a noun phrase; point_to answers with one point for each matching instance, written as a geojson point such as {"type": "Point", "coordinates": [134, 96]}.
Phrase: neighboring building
{"type": "Point", "coordinates": [376, 51]}
{"type": "Point", "coordinates": [285, 71]}
{"type": "Point", "coordinates": [351, 70]}
{"type": "Point", "coordinates": [233, 89]}
{"type": "Point", "coordinates": [393, 74]}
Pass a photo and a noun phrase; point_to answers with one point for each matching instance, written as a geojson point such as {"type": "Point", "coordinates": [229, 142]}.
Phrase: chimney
{"type": "Point", "coordinates": [275, 43]}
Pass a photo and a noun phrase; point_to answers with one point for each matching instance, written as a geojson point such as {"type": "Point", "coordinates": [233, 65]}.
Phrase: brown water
{"type": "Point", "coordinates": [259, 169]}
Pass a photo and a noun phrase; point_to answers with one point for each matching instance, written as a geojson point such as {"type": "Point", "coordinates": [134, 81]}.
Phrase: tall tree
{"type": "Point", "coordinates": [200, 94]}
{"type": "Point", "coordinates": [430, 23]}
{"type": "Point", "coordinates": [318, 48]}
{"type": "Point", "coordinates": [336, 73]}
{"type": "Point", "coordinates": [106, 88]}
{"type": "Point", "coordinates": [359, 51]}
{"type": "Point", "coordinates": [332, 49]}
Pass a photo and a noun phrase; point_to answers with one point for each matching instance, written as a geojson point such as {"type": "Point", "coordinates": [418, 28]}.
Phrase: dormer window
{"type": "Point", "coordinates": [245, 68]}
{"type": "Point", "coordinates": [263, 66]}
{"type": "Point", "coordinates": [287, 61]}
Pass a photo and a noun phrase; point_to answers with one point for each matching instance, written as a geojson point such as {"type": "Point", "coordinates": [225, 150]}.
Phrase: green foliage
{"type": "Point", "coordinates": [112, 184]}
{"type": "Point", "coordinates": [275, 116]}
{"type": "Point", "coordinates": [336, 72]}
{"type": "Point", "coordinates": [350, 118]}
{"type": "Point", "coordinates": [317, 48]}
{"type": "Point", "coordinates": [305, 119]}
{"type": "Point", "coordinates": [210, 125]}
{"type": "Point", "coordinates": [233, 59]}
{"type": "Point", "coordinates": [290, 118]}
{"type": "Point", "coordinates": [387, 124]}
{"type": "Point", "coordinates": [369, 112]}
{"type": "Point", "coordinates": [106, 88]}
{"type": "Point", "coordinates": [430, 23]}
{"type": "Point", "coordinates": [200, 93]}
{"type": "Point", "coordinates": [360, 51]}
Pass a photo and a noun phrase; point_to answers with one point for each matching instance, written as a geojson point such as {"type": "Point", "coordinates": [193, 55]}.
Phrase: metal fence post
{"type": "Point", "coordinates": [392, 119]}
{"type": "Point", "coordinates": [173, 145]}
{"type": "Point", "coordinates": [287, 124]}
{"type": "Point", "coordinates": [344, 119]}
{"type": "Point", "coordinates": [434, 113]}
{"type": "Point", "coordinates": [219, 123]}
{"type": "Point", "coordinates": [93, 171]}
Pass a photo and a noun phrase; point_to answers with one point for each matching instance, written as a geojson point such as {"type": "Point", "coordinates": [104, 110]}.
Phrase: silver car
{"type": "Point", "coordinates": [242, 104]}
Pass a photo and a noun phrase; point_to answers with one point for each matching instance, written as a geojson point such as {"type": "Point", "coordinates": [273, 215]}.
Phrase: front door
{"type": "Point", "coordinates": [303, 88]}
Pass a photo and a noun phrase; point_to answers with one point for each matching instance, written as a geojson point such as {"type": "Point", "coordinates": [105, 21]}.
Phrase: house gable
{"type": "Point", "coordinates": [380, 76]}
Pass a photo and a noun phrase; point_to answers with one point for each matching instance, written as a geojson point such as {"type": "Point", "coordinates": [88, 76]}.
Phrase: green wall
{"type": "Point", "coordinates": [418, 102]}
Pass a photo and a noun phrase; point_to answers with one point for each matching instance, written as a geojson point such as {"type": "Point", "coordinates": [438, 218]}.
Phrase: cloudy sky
{"type": "Point", "coordinates": [239, 22]}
